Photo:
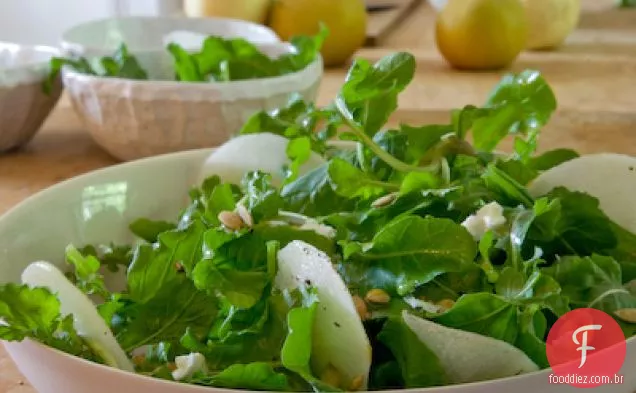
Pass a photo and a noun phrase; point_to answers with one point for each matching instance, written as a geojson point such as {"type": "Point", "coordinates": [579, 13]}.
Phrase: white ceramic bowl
{"type": "Point", "coordinates": [144, 36]}
{"type": "Point", "coordinates": [97, 208]}
{"type": "Point", "coordinates": [23, 105]}
{"type": "Point", "coordinates": [135, 119]}
{"type": "Point", "coordinates": [145, 33]}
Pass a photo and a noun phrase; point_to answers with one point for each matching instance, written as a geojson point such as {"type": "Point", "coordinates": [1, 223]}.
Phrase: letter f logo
{"type": "Point", "coordinates": [583, 343]}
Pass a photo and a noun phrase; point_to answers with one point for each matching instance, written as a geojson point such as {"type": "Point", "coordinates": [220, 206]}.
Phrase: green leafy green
{"type": "Point", "coordinates": [35, 313]}
{"type": "Point", "coordinates": [415, 250]}
{"type": "Point", "coordinates": [253, 376]}
{"type": "Point", "coordinates": [434, 214]}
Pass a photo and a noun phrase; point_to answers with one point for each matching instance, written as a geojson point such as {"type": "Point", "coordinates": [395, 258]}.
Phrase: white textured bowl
{"type": "Point", "coordinates": [23, 105]}
{"type": "Point", "coordinates": [97, 208]}
{"type": "Point", "coordinates": [136, 119]}
{"type": "Point", "coordinates": [144, 36]}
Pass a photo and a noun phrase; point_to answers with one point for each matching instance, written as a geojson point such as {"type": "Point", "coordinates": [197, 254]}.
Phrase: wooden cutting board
{"type": "Point", "coordinates": [382, 23]}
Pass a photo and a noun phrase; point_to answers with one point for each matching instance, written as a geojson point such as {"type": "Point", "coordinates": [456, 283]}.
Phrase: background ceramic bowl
{"type": "Point", "coordinates": [97, 208]}
{"type": "Point", "coordinates": [134, 119]}
{"type": "Point", "coordinates": [23, 104]}
{"type": "Point", "coordinates": [145, 36]}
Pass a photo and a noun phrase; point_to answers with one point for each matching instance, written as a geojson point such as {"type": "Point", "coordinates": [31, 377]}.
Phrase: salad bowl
{"type": "Point", "coordinates": [133, 119]}
{"type": "Point", "coordinates": [320, 250]}
{"type": "Point", "coordinates": [145, 35]}
{"type": "Point", "coordinates": [97, 208]}
{"type": "Point", "coordinates": [23, 105]}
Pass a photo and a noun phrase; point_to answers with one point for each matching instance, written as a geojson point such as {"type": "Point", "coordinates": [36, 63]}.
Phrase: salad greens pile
{"type": "Point", "coordinates": [204, 283]}
{"type": "Point", "coordinates": [219, 60]}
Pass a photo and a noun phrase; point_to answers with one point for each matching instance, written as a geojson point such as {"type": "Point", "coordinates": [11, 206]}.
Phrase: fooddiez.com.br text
{"type": "Point", "coordinates": [586, 379]}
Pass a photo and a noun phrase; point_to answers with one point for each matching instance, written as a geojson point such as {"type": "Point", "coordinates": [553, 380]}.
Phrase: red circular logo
{"type": "Point", "coordinates": [586, 348]}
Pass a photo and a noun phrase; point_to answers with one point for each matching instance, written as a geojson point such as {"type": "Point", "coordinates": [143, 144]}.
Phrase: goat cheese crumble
{"type": "Point", "coordinates": [188, 365]}
{"type": "Point", "coordinates": [488, 218]}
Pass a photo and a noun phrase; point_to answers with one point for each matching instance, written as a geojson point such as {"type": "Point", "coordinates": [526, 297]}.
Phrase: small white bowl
{"type": "Point", "coordinates": [134, 119]}
{"type": "Point", "coordinates": [144, 36]}
{"type": "Point", "coordinates": [23, 104]}
{"type": "Point", "coordinates": [97, 208]}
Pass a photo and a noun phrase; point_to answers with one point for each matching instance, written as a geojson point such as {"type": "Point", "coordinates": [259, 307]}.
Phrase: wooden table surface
{"type": "Point", "coordinates": [593, 76]}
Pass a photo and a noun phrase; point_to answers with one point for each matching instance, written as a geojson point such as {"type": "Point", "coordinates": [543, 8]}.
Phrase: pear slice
{"type": "Point", "coordinates": [611, 178]}
{"type": "Point", "coordinates": [339, 336]}
{"type": "Point", "coordinates": [86, 320]}
{"type": "Point", "coordinates": [469, 357]}
{"type": "Point", "coordinates": [265, 152]}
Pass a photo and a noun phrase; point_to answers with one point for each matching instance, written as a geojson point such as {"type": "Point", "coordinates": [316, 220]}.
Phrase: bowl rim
{"type": "Point", "coordinates": [69, 40]}
{"type": "Point", "coordinates": [191, 155]}
{"type": "Point", "coordinates": [273, 84]}
{"type": "Point", "coordinates": [31, 49]}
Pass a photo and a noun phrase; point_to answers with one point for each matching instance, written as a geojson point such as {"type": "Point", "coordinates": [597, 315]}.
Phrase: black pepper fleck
{"type": "Point", "coordinates": [337, 324]}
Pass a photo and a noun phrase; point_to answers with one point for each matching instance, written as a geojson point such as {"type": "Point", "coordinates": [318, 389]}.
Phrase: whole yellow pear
{"type": "Point", "coordinates": [345, 19]}
{"type": "Point", "coordinates": [481, 34]}
{"type": "Point", "coordinates": [250, 10]}
{"type": "Point", "coordinates": [550, 22]}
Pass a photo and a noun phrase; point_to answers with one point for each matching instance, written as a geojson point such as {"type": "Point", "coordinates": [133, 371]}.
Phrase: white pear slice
{"type": "Point", "coordinates": [469, 357]}
{"type": "Point", "coordinates": [611, 178]}
{"type": "Point", "coordinates": [86, 320]}
{"type": "Point", "coordinates": [339, 336]}
{"type": "Point", "coordinates": [245, 153]}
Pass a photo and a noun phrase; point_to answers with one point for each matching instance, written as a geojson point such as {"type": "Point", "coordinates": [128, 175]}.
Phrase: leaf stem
{"type": "Point", "coordinates": [385, 156]}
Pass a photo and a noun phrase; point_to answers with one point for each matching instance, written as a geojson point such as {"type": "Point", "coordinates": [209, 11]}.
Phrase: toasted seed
{"type": "Point", "coordinates": [627, 314]}
{"type": "Point", "coordinates": [378, 296]}
{"type": "Point", "coordinates": [331, 376]}
{"type": "Point", "coordinates": [361, 307]}
{"type": "Point", "coordinates": [171, 366]}
{"type": "Point", "coordinates": [245, 215]}
{"type": "Point", "coordinates": [179, 266]}
{"type": "Point", "coordinates": [230, 220]}
{"type": "Point", "coordinates": [446, 304]}
{"type": "Point", "coordinates": [138, 360]}
{"type": "Point", "coordinates": [356, 384]}
{"type": "Point", "coordinates": [384, 200]}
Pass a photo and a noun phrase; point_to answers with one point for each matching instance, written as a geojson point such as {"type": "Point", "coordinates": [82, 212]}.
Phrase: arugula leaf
{"type": "Point", "coordinates": [121, 65]}
{"type": "Point", "coordinates": [35, 313]}
{"type": "Point", "coordinates": [166, 317]}
{"type": "Point", "coordinates": [233, 59]}
{"type": "Point", "coordinates": [243, 289]}
{"type": "Point", "coordinates": [297, 349]}
{"type": "Point", "coordinates": [298, 119]}
{"type": "Point", "coordinates": [350, 182]}
{"type": "Point", "coordinates": [593, 282]}
{"type": "Point", "coordinates": [411, 354]}
{"type": "Point", "coordinates": [312, 194]}
{"type": "Point", "coordinates": [243, 336]}
{"type": "Point", "coordinates": [111, 256]}
{"type": "Point", "coordinates": [507, 188]}
{"type": "Point", "coordinates": [369, 95]}
{"type": "Point", "coordinates": [87, 273]}
{"type": "Point", "coordinates": [414, 250]}
{"type": "Point", "coordinates": [252, 376]}
{"type": "Point", "coordinates": [262, 199]}
{"type": "Point", "coordinates": [157, 268]}
{"type": "Point", "coordinates": [552, 158]}
{"type": "Point", "coordinates": [149, 230]}
{"type": "Point", "coordinates": [299, 152]}
{"type": "Point", "coordinates": [520, 104]}
{"type": "Point", "coordinates": [573, 223]}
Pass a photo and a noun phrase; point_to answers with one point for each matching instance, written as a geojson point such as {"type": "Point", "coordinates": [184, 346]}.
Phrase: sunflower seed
{"type": "Point", "coordinates": [230, 220]}
{"type": "Point", "coordinates": [384, 201]}
{"type": "Point", "coordinates": [361, 307]}
{"type": "Point", "coordinates": [378, 296]}
{"type": "Point", "coordinates": [245, 215]}
{"type": "Point", "coordinates": [627, 314]}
